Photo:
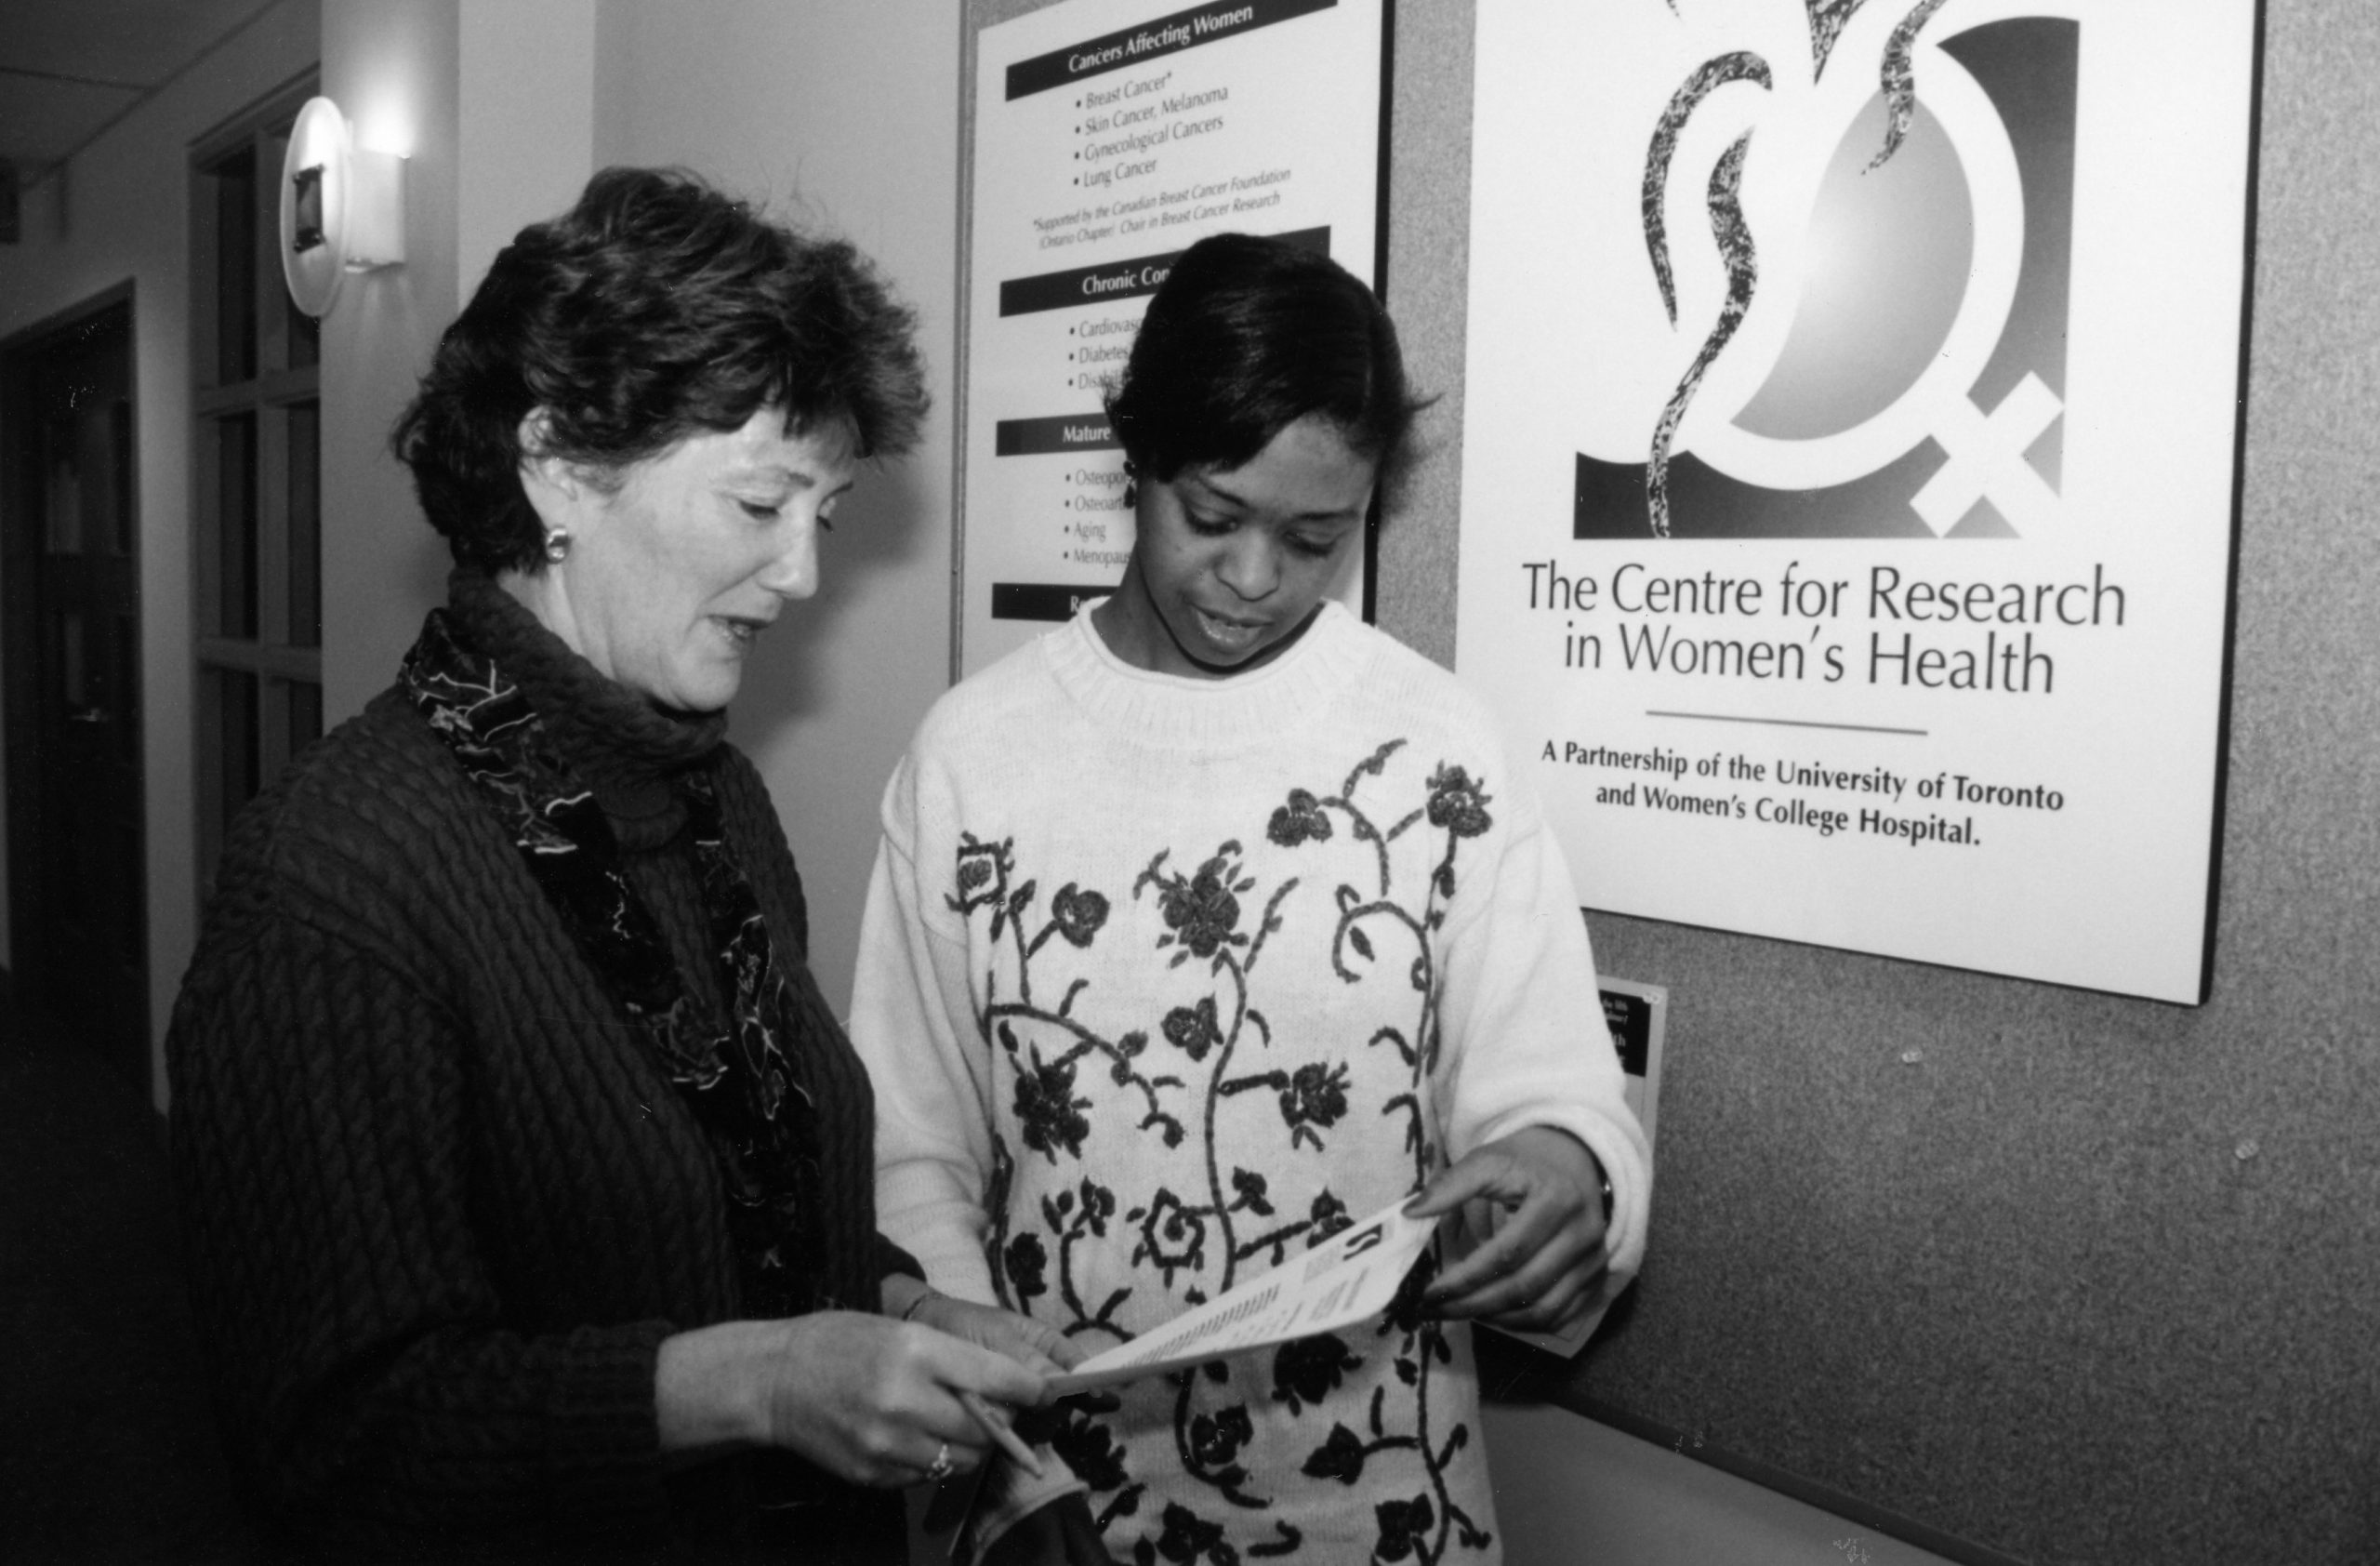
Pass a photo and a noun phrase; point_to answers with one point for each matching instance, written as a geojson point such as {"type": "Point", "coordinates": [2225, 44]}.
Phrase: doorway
{"type": "Point", "coordinates": [70, 567]}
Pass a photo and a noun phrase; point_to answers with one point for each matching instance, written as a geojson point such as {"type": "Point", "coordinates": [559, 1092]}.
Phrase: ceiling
{"type": "Point", "coordinates": [69, 68]}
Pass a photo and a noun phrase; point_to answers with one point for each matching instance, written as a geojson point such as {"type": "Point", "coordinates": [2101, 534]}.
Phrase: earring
{"type": "Point", "coordinates": [558, 545]}
{"type": "Point", "coordinates": [1131, 493]}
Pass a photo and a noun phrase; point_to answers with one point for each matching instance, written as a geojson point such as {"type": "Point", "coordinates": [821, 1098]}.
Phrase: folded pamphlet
{"type": "Point", "coordinates": [1349, 1278]}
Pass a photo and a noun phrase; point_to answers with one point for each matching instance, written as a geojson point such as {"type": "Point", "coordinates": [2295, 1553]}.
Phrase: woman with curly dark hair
{"type": "Point", "coordinates": [1216, 921]}
{"type": "Point", "coordinates": [525, 1174]}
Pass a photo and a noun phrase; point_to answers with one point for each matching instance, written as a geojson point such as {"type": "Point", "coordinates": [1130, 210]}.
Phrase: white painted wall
{"type": "Point", "coordinates": [393, 66]}
{"type": "Point", "coordinates": [842, 115]}
{"type": "Point", "coordinates": [121, 209]}
{"type": "Point", "coordinates": [525, 131]}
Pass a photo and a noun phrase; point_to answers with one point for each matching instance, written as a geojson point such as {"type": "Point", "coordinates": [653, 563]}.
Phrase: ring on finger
{"type": "Point", "coordinates": [942, 1467]}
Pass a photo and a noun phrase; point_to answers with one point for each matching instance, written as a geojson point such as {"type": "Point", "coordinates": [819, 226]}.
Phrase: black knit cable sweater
{"type": "Point", "coordinates": [440, 1203]}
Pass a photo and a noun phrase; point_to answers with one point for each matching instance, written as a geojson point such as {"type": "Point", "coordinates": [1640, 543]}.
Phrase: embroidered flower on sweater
{"type": "Point", "coordinates": [1172, 1235]}
{"type": "Point", "coordinates": [1077, 914]}
{"type": "Point", "coordinates": [1025, 1259]}
{"type": "Point", "coordinates": [1090, 1449]}
{"type": "Point", "coordinates": [1201, 910]}
{"type": "Point", "coordinates": [1307, 1369]}
{"type": "Point", "coordinates": [1456, 804]}
{"type": "Point", "coordinates": [1189, 1537]}
{"type": "Point", "coordinates": [1194, 1030]}
{"type": "Point", "coordinates": [982, 874]}
{"type": "Point", "coordinates": [1317, 1096]}
{"type": "Point", "coordinates": [1300, 820]}
{"type": "Point", "coordinates": [1048, 1110]}
{"type": "Point", "coordinates": [1216, 1439]}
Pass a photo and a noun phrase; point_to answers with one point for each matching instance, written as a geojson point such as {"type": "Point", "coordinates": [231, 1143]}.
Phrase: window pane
{"type": "Point", "coordinates": [305, 714]}
{"type": "Point", "coordinates": [235, 604]}
{"type": "Point", "coordinates": [236, 266]}
{"type": "Point", "coordinates": [305, 525]}
{"type": "Point", "coordinates": [233, 738]}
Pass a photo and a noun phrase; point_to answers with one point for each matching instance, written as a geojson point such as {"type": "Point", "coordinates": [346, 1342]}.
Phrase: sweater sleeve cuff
{"type": "Point", "coordinates": [603, 1439]}
{"type": "Point", "coordinates": [891, 1261]}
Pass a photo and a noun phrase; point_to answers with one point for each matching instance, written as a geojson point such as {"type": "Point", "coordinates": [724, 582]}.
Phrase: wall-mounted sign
{"type": "Point", "coordinates": [1108, 135]}
{"type": "Point", "coordinates": [1849, 459]}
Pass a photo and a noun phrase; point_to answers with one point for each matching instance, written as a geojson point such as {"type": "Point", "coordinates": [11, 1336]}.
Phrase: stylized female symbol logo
{"type": "Point", "coordinates": [1902, 307]}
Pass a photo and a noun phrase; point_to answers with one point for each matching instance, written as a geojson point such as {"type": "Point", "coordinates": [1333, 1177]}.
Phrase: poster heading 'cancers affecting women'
{"type": "Point", "coordinates": [1849, 458]}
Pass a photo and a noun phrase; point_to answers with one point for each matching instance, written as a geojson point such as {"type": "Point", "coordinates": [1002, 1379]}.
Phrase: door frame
{"type": "Point", "coordinates": [22, 539]}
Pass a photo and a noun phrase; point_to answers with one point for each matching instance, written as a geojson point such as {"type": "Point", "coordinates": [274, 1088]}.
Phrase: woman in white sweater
{"type": "Point", "coordinates": [1217, 919]}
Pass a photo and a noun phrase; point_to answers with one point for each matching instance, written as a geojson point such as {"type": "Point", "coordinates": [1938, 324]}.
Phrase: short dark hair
{"type": "Point", "coordinates": [656, 309]}
{"type": "Point", "coordinates": [1246, 336]}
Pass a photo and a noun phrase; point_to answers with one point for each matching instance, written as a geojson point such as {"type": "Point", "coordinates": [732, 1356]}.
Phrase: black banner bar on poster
{"type": "Point", "coordinates": [1127, 279]}
{"type": "Point", "coordinates": [1039, 437]}
{"type": "Point", "coordinates": [1042, 600]}
{"type": "Point", "coordinates": [1153, 40]}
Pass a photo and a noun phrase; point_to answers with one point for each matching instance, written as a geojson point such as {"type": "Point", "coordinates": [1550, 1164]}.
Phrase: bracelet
{"type": "Point", "coordinates": [923, 1295]}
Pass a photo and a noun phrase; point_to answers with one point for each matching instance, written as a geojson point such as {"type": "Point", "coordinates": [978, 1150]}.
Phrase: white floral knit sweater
{"type": "Point", "coordinates": [1162, 981]}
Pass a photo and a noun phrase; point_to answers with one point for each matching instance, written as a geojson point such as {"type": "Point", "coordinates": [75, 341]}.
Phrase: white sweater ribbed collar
{"type": "Point", "coordinates": [1179, 713]}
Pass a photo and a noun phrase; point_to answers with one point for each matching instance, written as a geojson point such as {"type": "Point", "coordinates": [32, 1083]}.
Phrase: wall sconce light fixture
{"type": "Point", "coordinates": [342, 209]}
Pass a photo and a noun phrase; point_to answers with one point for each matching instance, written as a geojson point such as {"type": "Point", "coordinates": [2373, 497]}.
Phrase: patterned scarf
{"type": "Point", "coordinates": [741, 1083]}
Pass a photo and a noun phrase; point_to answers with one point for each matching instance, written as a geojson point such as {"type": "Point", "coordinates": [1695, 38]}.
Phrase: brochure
{"type": "Point", "coordinates": [1349, 1278]}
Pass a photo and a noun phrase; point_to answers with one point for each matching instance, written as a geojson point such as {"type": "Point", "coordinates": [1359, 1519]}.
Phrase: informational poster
{"type": "Point", "coordinates": [1849, 463]}
{"type": "Point", "coordinates": [1108, 135]}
